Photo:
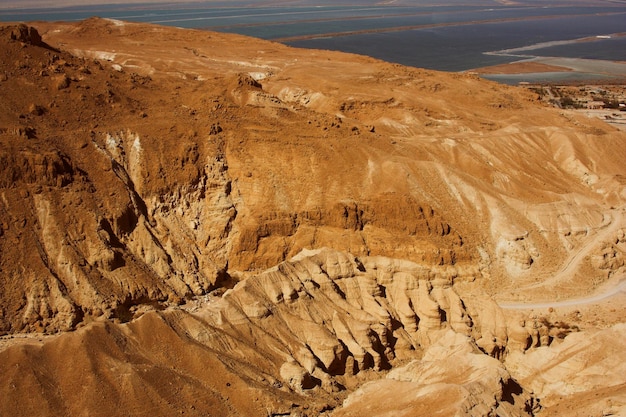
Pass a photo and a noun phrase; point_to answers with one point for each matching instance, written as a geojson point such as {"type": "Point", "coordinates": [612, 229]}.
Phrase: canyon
{"type": "Point", "coordinates": [209, 224]}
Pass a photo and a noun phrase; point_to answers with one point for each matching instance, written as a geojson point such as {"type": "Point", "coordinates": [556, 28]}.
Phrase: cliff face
{"type": "Point", "coordinates": [305, 332]}
{"type": "Point", "coordinates": [143, 168]}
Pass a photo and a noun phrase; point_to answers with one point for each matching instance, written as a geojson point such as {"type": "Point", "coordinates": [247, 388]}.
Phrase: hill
{"type": "Point", "coordinates": [216, 224]}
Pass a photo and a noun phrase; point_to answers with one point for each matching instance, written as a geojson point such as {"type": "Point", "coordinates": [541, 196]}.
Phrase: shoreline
{"type": "Point", "coordinates": [556, 70]}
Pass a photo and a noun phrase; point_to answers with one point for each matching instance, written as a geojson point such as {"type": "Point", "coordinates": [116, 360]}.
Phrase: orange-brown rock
{"type": "Point", "coordinates": [145, 170]}
{"type": "Point", "coordinates": [300, 332]}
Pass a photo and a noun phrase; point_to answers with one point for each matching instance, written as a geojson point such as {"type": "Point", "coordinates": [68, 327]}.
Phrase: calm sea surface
{"type": "Point", "coordinates": [449, 38]}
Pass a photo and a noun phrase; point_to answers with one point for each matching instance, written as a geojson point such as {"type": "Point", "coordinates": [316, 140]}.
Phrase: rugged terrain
{"type": "Point", "coordinates": [210, 224]}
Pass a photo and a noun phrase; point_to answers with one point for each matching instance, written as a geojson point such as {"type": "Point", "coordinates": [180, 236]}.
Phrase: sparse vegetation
{"type": "Point", "coordinates": [581, 97]}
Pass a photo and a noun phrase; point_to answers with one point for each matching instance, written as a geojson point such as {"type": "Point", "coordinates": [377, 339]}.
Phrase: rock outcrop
{"type": "Point", "coordinates": [304, 331]}
{"type": "Point", "coordinates": [160, 197]}
{"type": "Point", "coordinates": [476, 385]}
{"type": "Point", "coordinates": [585, 363]}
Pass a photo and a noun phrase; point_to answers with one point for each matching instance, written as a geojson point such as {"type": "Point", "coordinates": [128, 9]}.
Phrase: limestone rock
{"type": "Point", "coordinates": [452, 379]}
{"type": "Point", "coordinates": [26, 34]}
{"type": "Point", "coordinates": [585, 362]}
{"type": "Point", "coordinates": [296, 376]}
{"type": "Point", "coordinates": [317, 323]}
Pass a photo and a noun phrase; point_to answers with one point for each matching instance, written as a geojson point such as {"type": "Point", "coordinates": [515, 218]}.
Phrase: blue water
{"type": "Point", "coordinates": [613, 49]}
{"type": "Point", "coordinates": [458, 48]}
{"type": "Point", "coordinates": [451, 37]}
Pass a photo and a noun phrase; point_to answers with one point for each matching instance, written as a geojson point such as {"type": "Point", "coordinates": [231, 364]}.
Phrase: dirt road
{"type": "Point", "coordinates": [607, 293]}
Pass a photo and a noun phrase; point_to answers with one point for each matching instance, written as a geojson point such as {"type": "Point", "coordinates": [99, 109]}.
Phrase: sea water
{"type": "Point", "coordinates": [451, 37]}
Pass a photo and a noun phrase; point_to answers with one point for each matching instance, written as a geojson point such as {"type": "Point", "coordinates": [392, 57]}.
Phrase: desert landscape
{"type": "Point", "coordinates": [207, 224]}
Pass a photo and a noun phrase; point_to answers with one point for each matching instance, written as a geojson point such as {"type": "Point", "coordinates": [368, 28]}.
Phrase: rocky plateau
{"type": "Point", "coordinates": [213, 225]}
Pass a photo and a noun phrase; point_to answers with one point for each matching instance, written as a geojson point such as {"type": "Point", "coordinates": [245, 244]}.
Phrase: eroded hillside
{"type": "Point", "coordinates": [145, 170]}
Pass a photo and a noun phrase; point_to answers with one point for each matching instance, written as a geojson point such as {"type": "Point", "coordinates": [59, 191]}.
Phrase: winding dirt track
{"type": "Point", "coordinates": [604, 295]}
{"type": "Point", "coordinates": [605, 232]}
{"type": "Point", "coordinates": [571, 264]}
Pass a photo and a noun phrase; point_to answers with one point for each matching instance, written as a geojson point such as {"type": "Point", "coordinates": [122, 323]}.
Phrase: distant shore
{"type": "Point", "coordinates": [568, 71]}
{"type": "Point", "coordinates": [523, 67]}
